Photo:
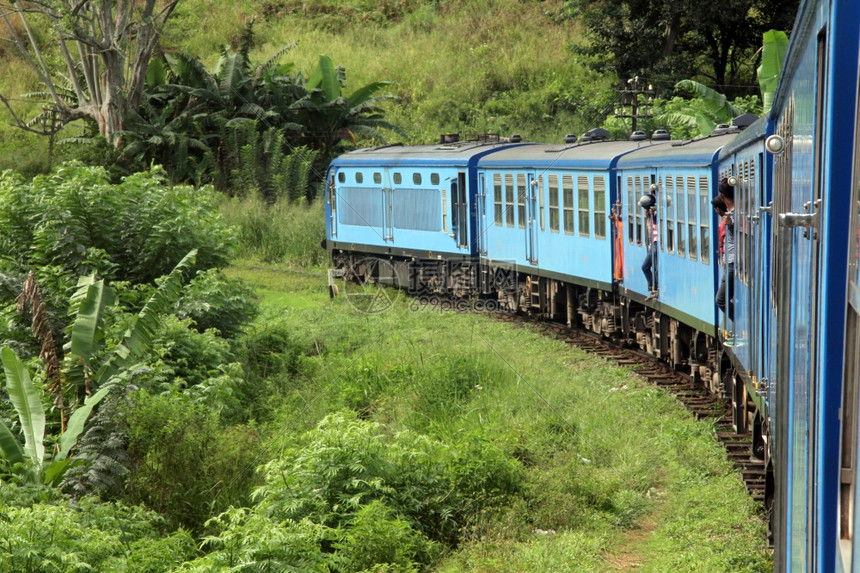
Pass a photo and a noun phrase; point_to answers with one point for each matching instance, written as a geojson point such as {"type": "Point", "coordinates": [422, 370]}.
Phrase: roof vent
{"type": "Point", "coordinates": [721, 129]}
{"type": "Point", "coordinates": [570, 138]}
{"type": "Point", "coordinates": [660, 135]}
{"type": "Point", "coordinates": [744, 121]}
{"type": "Point", "coordinates": [595, 134]}
{"type": "Point", "coordinates": [638, 136]}
{"type": "Point", "coordinates": [449, 138]}
{"type": "Point", "coordinates": [515, 138]}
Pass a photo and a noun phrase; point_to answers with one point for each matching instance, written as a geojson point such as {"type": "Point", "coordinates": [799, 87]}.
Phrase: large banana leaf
{"type": "Point", "coordinates": [28, 403]}
{"type": "Point", "coordinates": [91, 298]}
{"type": "Point", "coordinates": [139, 336]}
{"type": "Point", "coordinates": [76, 423]}
{"type": "Point", "coordinates": [324, 76]}
{"type": "Point", "coordinates": [774, 47]}
{"type": "Point", "coordinates": [714, 100]}
{"type": "Point", "coordinates": [88, 304]}
{"type": "Point", "coordinates": [9, 446]}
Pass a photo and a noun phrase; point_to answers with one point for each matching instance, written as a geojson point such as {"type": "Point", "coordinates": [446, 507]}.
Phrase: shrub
{"type": "Point", "coordinates": [184, 464]}
{"type": "Point", "coordinates": [212, 300]}
{"type": "Point", "coordinates": [344, 464]}
{"type": "Point", "coordinates": [54, 535]}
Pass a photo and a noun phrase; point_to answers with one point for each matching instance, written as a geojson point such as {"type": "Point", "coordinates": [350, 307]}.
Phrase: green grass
{"type": "Point", "coordinates": [615, 470]}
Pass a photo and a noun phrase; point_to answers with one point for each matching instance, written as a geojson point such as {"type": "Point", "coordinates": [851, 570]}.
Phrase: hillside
{"type": "Point", "coordinates": [490, 66]}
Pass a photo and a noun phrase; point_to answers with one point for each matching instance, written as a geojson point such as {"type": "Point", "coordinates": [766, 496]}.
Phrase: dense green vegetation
{"type": "Point", "coordinates": [295, 431]}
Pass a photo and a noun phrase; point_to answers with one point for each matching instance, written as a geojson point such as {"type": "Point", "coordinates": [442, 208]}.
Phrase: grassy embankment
{"type": "Point", "coordinates": [617, 475]}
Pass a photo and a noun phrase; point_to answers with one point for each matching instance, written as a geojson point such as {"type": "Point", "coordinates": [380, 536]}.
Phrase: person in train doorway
{"type": "Point", "coordinates": [725, 294]}
{"type": "Point", "coordinates": [649, 266]}
{"type": "Point", "coordinates": [720, 209]}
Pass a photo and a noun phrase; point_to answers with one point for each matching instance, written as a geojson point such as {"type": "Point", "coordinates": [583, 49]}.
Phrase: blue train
{"type": "Point", "coordinates": [562, 230]}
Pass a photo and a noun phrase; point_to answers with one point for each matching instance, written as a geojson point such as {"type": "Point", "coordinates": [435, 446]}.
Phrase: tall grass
{"type": "Point", "coordinates": [284, 233]}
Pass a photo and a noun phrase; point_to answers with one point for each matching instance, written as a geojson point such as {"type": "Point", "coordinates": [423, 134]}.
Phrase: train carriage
{"type": "Point", "coordinates": [685, 175]}
{"type": "Point", "coordinates": [544, 211]}
{"type": "Point", "coordinates": [411, 205]}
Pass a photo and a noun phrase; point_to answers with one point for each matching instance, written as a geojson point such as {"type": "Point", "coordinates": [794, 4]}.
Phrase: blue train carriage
{"type": "Point", "coordinates": [403, 215]}
{"type": "Point", "coordinates": [544, 219]}
{"type": "Point", "coordinates": [743, 325]}
{"type": "Point", "coordinates": [685, 177]}
{"type": "Point", "coordinates": [815, 413]}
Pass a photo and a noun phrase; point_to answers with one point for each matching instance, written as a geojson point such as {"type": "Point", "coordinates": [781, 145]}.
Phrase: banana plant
{"type": "Point", "coordinates": [774, 47]}
{"type": "Point", "coordinates": [85, 368]}
{"type": "Point", "coordinates": [716, 108]}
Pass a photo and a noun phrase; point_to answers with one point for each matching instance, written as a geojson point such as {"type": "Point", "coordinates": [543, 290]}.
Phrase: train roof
{"type": "Point", "coordinates": [753, 134]}
{"type": "Point", "coordinates": [455, 153]}
{"type": "Point", "coordinates": [586, 155]}
{"type": "Point", "coordinates": [700, 152]}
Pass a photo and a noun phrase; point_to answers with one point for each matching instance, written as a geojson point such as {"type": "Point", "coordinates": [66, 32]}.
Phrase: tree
{"type": "Point", "coordinates": [105, 47]}
{"type": "Point", "coordinates": [666, 41]}
{"type": "Point", "coordinates": [331, 117]}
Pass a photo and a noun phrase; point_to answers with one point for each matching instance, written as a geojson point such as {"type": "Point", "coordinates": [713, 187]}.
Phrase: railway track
{"type": "Point", "coordinates": [697, 399]}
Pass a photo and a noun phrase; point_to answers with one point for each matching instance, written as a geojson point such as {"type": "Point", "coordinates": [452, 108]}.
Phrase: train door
{"type": "Point", "coordinates": [387, 207]}
{"type": "Point", "coordinates": [797, 201]}
{"type": "Point", "coordinates": [480, 216]}
{"type": "Point", "coordinates": [531, 212]}
{"type": "Point", "coordinates": [331, 201]}
{"type": "Point", "coordinates": [460, 210]}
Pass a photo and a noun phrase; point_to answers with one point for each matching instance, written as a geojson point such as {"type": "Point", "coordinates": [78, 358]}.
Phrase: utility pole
{"type": "Point", "coordinates": [630, 99]}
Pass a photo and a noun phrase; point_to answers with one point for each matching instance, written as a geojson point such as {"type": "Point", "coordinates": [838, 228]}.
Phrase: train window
{"type": "Point", "coordinates": [434, 179]}
{"type": "Point", "coordinates": [416, 178]}
{"type": "Point", "coordinates": [377, 177]}
{"type": "Point", "coordinates": [553, 203]}
{"type": "Point", "coordinates": [600, 207]}
{"type": "Point", "coordinates": [498, 213]}
{"type": "Point", "coordinates": [583, 205]}
{"type": "Point", "coordinates": [567, 202]}
{"type": "Point", "coordinates": [341, 177]}
{"type": "Point", "coordinates": [509, 199]}
{"type": "Point", "coordinates": [631, 208]}
{"type": "Point", "coordinates": [359, 177]}
{"type": "Point", "coordinates": [680, 195]}
{"type": "Point", "coordinates": [705, 218]}
{"type": "Point", "coordinates": [541, 202]}
{"type": "Point", "coordinates": [669, 211]}
{"type": "Point", "coordinates": [691, 218]}
{"type": "Point", "coordinates": [398, 178]}
{"type": "Point", "coordinates": [521, 200]}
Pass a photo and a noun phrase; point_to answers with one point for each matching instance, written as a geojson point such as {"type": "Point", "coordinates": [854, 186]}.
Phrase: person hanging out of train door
{"type": "Point", "coordinates": [725, 294]}
{"type": "Point", "coordinates": [649, 266]}
{"type": "Point", "coordinates": [720, 209]}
